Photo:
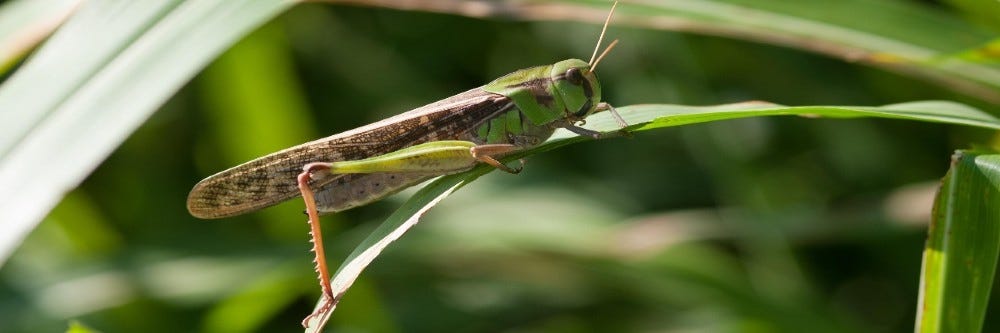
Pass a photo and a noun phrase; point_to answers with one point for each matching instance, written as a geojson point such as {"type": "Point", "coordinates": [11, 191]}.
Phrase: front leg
{"type": "Point", "coordinates": [581, 131]}
{"type": "Point", "coordinates": [570, 124]}
{"type": "Point", "coordinates": [602, 106]}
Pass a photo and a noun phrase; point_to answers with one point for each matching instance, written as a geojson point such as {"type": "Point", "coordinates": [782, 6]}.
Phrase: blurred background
{"type": "Point", "coordinates": [774, 224]}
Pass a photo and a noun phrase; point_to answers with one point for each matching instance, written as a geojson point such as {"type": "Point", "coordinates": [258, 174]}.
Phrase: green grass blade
{"type": "Point", "coordinates": [901, 36]}
{"type": "Point", "coordinates": [96, 80]}
{"type": "Point", "coordinates": [652, 116]}
{"type": "Point", "coordinates": [962, 246]}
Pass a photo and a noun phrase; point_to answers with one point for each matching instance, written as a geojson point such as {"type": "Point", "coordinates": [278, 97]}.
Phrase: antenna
{"type": "Point", "coordinates": [601, 38]}
{"type": "Point", "coordinates": [593, 67]}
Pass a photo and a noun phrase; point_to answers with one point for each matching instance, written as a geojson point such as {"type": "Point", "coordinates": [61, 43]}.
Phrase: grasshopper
{"type": "Point", "coordinates": [516, 111]}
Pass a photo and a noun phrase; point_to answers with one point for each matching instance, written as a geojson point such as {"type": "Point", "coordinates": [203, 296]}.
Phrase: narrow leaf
{"type": "Point", "coordinates": [96, 80]}
{"type": "Point", "coordinates": [963, 244]}
{"type": "Point", "coordinates": [901, 36]}
{"type": "Point", "coordinates": [650, 116]}
{"type": "Point", "coordinates": [389, 231]}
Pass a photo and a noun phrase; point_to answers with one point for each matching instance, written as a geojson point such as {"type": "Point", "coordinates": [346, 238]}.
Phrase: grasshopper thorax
{"type": "Point", "coordinates": [577, 86]}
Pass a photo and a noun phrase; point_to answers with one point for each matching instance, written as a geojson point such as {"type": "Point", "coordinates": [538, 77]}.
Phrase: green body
{"type": "Point", "coordinates": [520, 109]}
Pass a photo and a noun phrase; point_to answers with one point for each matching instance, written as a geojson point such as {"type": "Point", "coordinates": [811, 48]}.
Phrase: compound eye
{"type": "Point", "coordinates": [574, 76]}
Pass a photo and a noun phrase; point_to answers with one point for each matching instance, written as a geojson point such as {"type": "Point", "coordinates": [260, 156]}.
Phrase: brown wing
{"type": "Point", "coordinates": [271, 179]}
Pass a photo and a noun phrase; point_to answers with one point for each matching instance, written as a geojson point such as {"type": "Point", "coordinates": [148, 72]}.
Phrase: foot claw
{"type": "Point", "coordinates": [328, 304]}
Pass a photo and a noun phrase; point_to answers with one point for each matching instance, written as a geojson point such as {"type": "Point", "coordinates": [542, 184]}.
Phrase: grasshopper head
{"type": "Point", "coordinates": [578, 87]}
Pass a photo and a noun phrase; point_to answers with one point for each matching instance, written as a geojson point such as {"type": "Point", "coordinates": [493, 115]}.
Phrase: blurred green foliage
{"type": "Point", "coordinates": [753, 225]}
